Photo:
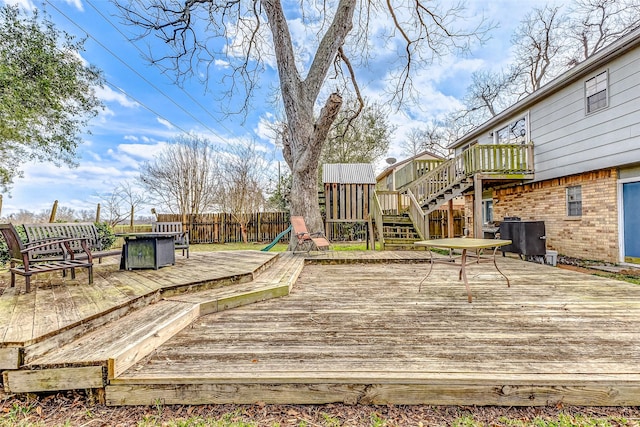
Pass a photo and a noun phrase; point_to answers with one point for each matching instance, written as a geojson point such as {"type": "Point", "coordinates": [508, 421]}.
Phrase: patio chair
{"type": "Point", "coordinates": [307, 241]}
{"type": "Point", "coordinates": [24, 256]}
{"type": "Point", "coordinates": [181, 238]}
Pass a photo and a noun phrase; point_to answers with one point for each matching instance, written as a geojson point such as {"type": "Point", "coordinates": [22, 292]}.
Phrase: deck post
{"type": "Point", "coordinates": [450, 232]}
{"type": "Point", "coordinates": [477, 206]}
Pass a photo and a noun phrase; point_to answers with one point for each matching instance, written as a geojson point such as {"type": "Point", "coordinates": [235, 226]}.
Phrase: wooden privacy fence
{"type": "Point", "coordinates": [265, 226]}
{"type": "Point", "coordinates": [223, 228]}
{"type": "Point", "coordinates": [438, 223]}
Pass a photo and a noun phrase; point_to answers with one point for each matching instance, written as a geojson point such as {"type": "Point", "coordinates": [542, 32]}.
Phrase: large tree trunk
{"type": "Point", "coordinates": [302, 147]}
{"type": "Point", "coordinates": [304, 136]}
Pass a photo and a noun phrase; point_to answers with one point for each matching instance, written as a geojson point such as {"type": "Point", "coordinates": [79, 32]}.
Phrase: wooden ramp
{"type": "Point", "coordinates": [84, 353]}
{"type": "Point", "coordinates": [358, 331]}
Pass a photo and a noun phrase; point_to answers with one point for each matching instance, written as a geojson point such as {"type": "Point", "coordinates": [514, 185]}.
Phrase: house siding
{"type": "Point", "coordinates": [568, 141]}
{"type": "Point", "coordinates": [599, 151]}
{"type": "Point", "coordinates": [594, 235]}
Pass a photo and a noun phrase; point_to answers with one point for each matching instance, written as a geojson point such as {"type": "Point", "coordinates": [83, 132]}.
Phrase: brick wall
{"type": "Point", "coordinates": [593, 236]}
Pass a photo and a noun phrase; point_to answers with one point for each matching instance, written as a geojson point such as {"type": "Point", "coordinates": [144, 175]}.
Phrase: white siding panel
{"type": "Point", "coordinates": [567, 141]}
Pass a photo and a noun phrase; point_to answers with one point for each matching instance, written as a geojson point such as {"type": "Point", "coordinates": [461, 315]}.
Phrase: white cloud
{"type": "Point", "coordinates": [264, 128]}
{"type": "Point", "coordinates": [106, 113]}
{"type": "Point", "coordinates": [165, 123]}
{"type": "Point", "coordinates": [24, 4]}
{"type": "Point", "coordinates": [220, 63]}
{"type": "Point", "coordinates": [140, 151]}
{"type": "Point", "coordinates": [107, 94]}
{"type": "Point", "coordinates": [76, 3]}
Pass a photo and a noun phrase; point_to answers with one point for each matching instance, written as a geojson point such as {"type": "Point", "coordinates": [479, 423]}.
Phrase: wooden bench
{"type": "Point", "coordinates": [25, 262]}
{"type": "Point", "coordinates": [182, 236]}
{"type": "Point", "coordinates": [38, 233]}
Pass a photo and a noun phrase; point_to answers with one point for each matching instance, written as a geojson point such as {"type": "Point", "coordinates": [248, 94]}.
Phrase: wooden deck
{"type": "Point", "coordinates": [60, 310]}
{"type": "Point", "coordinates": [355, 329]}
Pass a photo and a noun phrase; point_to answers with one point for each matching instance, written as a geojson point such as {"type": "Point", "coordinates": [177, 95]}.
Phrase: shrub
{"type": "Point", "coordinates": [105, 234]}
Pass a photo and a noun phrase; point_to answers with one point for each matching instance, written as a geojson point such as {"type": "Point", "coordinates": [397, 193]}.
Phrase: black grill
{"type": "Point", "coordinates": [528, 237]}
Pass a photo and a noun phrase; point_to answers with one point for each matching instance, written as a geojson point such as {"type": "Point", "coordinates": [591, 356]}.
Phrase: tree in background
{"type": "Point", "coordinates": [184, 177]}
{"type": "Point", "coordinates": [47, 93]}
{"type": "Point", "coordinates": [247, 35]}
{"type": "Point", "coordinates": [241, 189]}
{"type": "Point", "coordinates": [538, 43]}
{"type": "Point", "coordinates": [548, 41]}
{"type": "Point", "coordinates": [593, 24]}
{"type": "Point", "coordinates": [120, 204]}
{"type": "Point", "coordinates": [361, 138]}
{"type": "Point", "coordinates": [431, 138]}
{"type": "Point", "coordinates": [281, 193]}
{"type": "Point", "coordinates": [63, 214]}
{"type": "Point", "coordinates": [488, 94]}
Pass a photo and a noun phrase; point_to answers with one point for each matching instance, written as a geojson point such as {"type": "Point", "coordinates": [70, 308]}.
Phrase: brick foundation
{"type": "Point", "coordinates": [592, 236]}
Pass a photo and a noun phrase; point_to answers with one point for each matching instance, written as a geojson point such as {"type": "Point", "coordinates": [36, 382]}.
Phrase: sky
{"type": "Point", "coordinates": [145, 109]}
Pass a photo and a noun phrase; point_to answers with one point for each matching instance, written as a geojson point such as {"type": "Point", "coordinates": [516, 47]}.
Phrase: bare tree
{"type": "Point", "coordinates": [548, 40]}
{"type": "Point", "coordinates": [488, 94]}
{"type": "Point", "coordinates": [64, 214]}
{"type": "Point", "coordinates": [183, 177]}
{"type": "Point", "coordinates": [121, 203]}
{"type": "Point", "coordinates": [419, 31]}
{"type": "Point", "coordinates": [24, 217]}
{"type": "Point", "coordinates": [411, 145]}
{"type": "Point", "coordinates": [538, 42]}
{"type": "Point", "coordinates": [430, 137]}
{"type": "Point", "coordinates": [86, 215]}
{"type": "Point", "coordinates": [243, 184]}
{"type": "Point", "coordinates": [594, 24]}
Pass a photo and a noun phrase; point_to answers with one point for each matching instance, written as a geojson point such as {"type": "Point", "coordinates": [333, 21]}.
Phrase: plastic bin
{"type": "Point", "coordinates": [551, 258]}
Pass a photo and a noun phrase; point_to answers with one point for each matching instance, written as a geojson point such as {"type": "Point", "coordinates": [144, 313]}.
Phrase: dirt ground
{"type": "Point", "coordinates": [74, 409]}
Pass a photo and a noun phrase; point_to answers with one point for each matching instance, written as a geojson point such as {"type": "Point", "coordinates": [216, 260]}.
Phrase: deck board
{"type": "Point", "coordinates": [56, 304]}
{"type": "Point", "coordinates": [566, 334]}
{"type": "Point", "coordinates": [354, 328]}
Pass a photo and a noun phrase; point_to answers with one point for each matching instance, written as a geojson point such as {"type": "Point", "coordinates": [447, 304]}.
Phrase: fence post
{"type": "Point", "coordinates": [54, 210]}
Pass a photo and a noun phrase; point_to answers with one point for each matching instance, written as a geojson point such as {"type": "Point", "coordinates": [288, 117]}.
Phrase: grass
{"type": "Point", "coordinates": [279, 247]}
{"type": "Point", "coordinates": [28, 415]}
{"type": "Point", "coordinates": [624, 277]}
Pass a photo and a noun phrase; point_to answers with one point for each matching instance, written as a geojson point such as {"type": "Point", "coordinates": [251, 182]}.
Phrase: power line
{"type": "Point", "coordinates": [124, 36]}
{"type": "Point", "coordinates": [139, 75]}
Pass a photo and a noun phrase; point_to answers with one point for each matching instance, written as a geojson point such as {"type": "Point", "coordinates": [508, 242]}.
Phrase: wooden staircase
{"type": "Point", "coordinates": [421, 189]}
{"type": "Point", "coordinates": [399, 232]}
{"type": "Point", "coordinates": [450, 192]}
{"type": "Point", "coordinates": [447, 181]}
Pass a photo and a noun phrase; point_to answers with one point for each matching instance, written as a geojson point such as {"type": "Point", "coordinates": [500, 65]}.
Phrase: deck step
{"type": "Point", "coordinates": [274, 282]}
{"type": "Point", "coordinates": [107, 352]}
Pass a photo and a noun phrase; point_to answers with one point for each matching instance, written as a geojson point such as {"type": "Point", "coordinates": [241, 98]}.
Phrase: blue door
{"type": "Point", "coordinates": [631, 201]}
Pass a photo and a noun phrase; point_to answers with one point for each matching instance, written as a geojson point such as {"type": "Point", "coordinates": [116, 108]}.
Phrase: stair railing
{"type": "Point", "coordinates": [414, 170]}
{"type": "Point", "coordinates": [418, 217]}
{"type": "Point", "coordinates": [392, 202]}
{"type": "Point", "coordinates": [376, 213]}
{"type": "Point", "coordinates": [507, 159]}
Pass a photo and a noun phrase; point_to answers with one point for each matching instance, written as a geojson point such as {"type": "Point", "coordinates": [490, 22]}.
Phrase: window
{"type": "Point", "coordinates": [574, 201]}
{"type": "Point", "coordinates": [596, 92]}
{"type": "Point", "coordinates": [487, 211]}
{"type": "Point", "coordinates": [514, 133]}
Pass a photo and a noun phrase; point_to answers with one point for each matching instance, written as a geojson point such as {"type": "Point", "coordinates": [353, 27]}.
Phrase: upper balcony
{"type": "Point", "coordinates": [504, 162]}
